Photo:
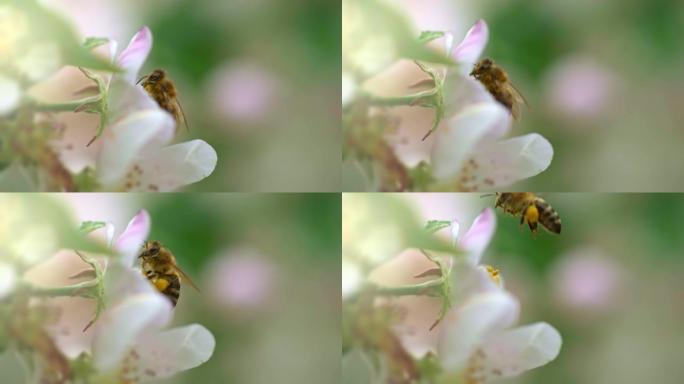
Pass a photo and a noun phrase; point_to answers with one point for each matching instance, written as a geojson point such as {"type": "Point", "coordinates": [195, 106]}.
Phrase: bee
{"type": "Point", "coordinates": [531, 208]}
{"type": "Point", "coordinates": [496, 80]}
{"type": "Point", "coordinates": [164, 92]}
{"type": "Point", "coordinates": [160, 268]}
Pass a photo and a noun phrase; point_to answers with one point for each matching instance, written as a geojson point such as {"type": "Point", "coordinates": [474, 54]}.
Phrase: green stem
{"type": "Point", "coordinates": [396, 101]}
{"type": "Point", "coordinates": [80, 289]}
{"type": "Point", "coordinates": [69, 106]}
{"type": "Point", "coordinates": [428, 288]}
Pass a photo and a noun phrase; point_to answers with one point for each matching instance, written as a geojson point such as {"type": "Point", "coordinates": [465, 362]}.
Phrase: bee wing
{"type": "Point", "coordinates": [186, 277]}
{"type": "Point", "coordinates": [180, 108]}
{"type": "Point", "coordinates": [518, 99]}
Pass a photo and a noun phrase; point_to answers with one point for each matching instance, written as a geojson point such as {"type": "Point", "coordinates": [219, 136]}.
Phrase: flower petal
{"type": "Point", "coordinates": [512, 352]}
{"type": "Point", "coordinates": [126, 98]}
{"type": "Point", "coordinates": [131, 240]}
{"type": "Point", "coordinates": [166, 353]}
{"type": "Point", "coordinates": [125, 141]}
{"type": "Point", "coordinates": [10, 93]}
{"type": "Point", "coordinates": [478, 236]}
{"type": "Point", "coordinates": [456, 141]}
{"type": "Point", "coordinates": [466, 327]}
{"type": "Point", "coordinates": [175, 166]}
{"type": "Point", "coordinates": [472, 45]}
{"type": "Point", "coordinates": [7, 279]}
{"type": "Point", "coordinates": [122, 281]}
{"type": "Point", "coordinates": [135, 54]}
{"type": "Point", "coordinates": [120, 326]}
{"type": "Point", "coordinates": [505, 162]}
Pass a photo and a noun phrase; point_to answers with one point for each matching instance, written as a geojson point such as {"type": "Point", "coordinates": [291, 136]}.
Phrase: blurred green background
{"type": "Point", "coordinates": [258, 80]}
{"type": "Point", "coordinates": [611, 282]}
{"type": "Point", "coordinates": [269, 273]}
{"type": "Point", "coordinates": [604, 79]}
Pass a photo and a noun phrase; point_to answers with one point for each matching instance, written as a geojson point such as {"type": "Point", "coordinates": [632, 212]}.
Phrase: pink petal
{"type": "Point", "coordinates": [135, 54]}
{"type": "Point", "coordinates": [478, 236]}
{"type": "Point", "coordinates": [131, 240]}
{"type": "Point", "coordinates": [470, 49]}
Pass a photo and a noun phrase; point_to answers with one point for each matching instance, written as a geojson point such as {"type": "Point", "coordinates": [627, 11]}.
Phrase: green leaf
{"type": "Point", "coordinates": [90, 226]}
{"type": "Point", "coordinates": [436, 225]}
{"type": "Point", "coordinates": [428, 36]}
{"type": "Point", "coordinates": [94, 42]}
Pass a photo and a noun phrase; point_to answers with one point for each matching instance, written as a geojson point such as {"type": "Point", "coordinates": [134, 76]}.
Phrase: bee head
{"type": "Point", "coordinates": [481, 67]}
{"type": "Point", "coordinates": [156, 75]}
{"type": "Point", "coordinates": [150, 249]}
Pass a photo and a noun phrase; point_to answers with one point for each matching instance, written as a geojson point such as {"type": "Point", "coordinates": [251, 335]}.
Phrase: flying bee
{"type": "Point", "coordinates": [160, 268]}
{"type": "Point", "coordinates": [531, 208]}
{"type": "Point", "coordinates": [496, 80]}
{"type": "Point", "coordinates": [164, 92]}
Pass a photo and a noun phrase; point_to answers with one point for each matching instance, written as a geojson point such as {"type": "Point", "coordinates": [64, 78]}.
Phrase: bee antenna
{"type": "Point", "coordinates": [141, 79]}
{"type": "Point", "coordinates": [487, 195]}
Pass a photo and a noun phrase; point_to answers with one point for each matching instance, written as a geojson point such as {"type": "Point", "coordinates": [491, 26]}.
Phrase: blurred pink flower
{"type": "Point", "coordinates": [241, 278]}
{"type": "Point", "coordinates": [586, 279]}
{"type": "Point", "coordinates": [243, 91]}
{"type": "Point", "coordinates": [579, 86]}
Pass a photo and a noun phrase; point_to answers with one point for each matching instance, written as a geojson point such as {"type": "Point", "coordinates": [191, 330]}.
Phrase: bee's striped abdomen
{"type": "Point", "coordinates": [548, 217]}
{"type": "Point", "coordinates": [172, 291]}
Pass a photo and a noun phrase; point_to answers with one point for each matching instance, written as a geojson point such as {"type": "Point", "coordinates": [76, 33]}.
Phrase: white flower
{"type": "Point", "coordinates": [469, 151]}
{"type": "Point", "coordinates": [478, 344]}
{"type": "Point", "coordinates": [135, 154]}
{"type": "Point", "coordinates": [129, 340]}
{"type": "Point", "coordinates": [476, 341]}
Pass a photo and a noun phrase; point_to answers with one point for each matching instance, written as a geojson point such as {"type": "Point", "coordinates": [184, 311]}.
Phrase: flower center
{"type": "Point", "coordinates": [493, 274]}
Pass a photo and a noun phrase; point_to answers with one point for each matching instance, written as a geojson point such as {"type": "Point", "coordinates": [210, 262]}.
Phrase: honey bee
{"type": "Point", "coordinates": [160, 268]}
{"type": "Point", "coordinates": [495, 79]}
{"type": "Point", "coordinates": [164, 92]}
{"type": "Point", "coordinates": [531, 208]}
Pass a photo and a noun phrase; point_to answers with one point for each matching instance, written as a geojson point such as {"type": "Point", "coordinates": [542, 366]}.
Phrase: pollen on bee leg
{"type": "Point", "coordinates": [161, 284]}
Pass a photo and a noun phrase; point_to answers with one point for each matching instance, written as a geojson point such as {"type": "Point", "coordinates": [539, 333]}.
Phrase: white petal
{"type": "Point", "coordinates": [505, 162]}
{"type": "Point", "coordinates": [512, 352]}
{"type": "Point", "coordinates": [478, 236]}
{"type": "Point", "coordinates": [166, 353]}
{"type": "Point", "coordinates": [456, 140]}
{"type": "Point", "coordinates": [123, 281]}
{"type": "Point", "coordinates": [7, 279]}
{"type": "Point", "coordinates": [10, 93]}
{"type": "Point", "coordinates": [470, 49]}
{"type": "Point", "coordinates": [468, 280]}
{"type": "Point", "coordinates": [465, 328]}
{"type": "Point", "coordinates": [455, 229]}
{"type": "Point", "coordinates": [120, 326]}
{"type": "Point", "coordinates": [135, 54]}
{"type": "Point", "coordinates": [174, 166]}
{"type": "Point", "coordinates": [126, 98]}
{"type": "Point", "coordinates": [133, 237]}
{"type": "Point", "coordinates": [125, 142]}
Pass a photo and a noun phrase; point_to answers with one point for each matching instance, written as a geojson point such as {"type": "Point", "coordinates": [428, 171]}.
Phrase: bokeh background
{"type": "Point", "coordinates": [258, 80]}
{"type": "Point", "coordinates": [268, 270]}
{"type": "Point", "coordinates": [611, 282]}
{"type": "Point", "coordinates": [604, 79]}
